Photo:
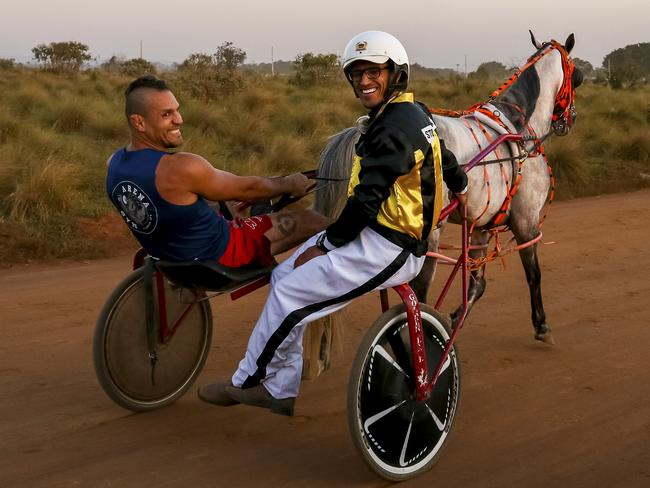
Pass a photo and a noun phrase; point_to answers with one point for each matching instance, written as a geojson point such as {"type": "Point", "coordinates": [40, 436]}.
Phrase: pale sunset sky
{"type": "Point", "coordinates": [436, 33]}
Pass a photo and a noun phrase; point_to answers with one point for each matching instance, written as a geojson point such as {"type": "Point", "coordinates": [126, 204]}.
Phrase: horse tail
{"type": "Point", "coordinates": [334, 167]}
{"type": "Point", "coordinates": [335, 164]}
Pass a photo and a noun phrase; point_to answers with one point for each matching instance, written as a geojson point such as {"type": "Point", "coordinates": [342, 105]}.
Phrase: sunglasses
{"type": "Point", "coordinates": [372, 73]}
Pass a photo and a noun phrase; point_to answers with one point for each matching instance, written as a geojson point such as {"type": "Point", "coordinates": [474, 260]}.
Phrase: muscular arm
{"type": "Point", "coordinates": [184, 175]}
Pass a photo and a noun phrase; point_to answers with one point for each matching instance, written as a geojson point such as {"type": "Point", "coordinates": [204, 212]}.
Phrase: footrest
{"type": "Point", "coordinates": [209, 275]}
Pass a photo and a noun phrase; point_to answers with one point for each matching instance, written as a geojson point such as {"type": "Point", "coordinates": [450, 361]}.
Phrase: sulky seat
{"type": "Point", "coordinates": [209, 275]}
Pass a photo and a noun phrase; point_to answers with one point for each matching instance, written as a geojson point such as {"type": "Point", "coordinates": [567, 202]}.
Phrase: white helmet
{"type": "Point", "coordinates": [378, 47]}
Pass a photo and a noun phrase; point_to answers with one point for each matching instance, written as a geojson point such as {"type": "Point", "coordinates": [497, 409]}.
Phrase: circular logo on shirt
{"type": "Point", "coordinates": [135, 206]}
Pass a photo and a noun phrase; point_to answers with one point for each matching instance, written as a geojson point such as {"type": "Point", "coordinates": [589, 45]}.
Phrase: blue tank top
{"type": "Point", "coordinates": [165, 230]}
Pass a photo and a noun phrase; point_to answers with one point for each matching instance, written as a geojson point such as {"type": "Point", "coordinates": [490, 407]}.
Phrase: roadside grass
{"type": "Point", "coordinates": [57, 131]}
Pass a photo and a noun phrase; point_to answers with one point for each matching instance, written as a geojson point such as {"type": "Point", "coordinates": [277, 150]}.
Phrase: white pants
{"type": "Point", "coordinates": [304, 294]}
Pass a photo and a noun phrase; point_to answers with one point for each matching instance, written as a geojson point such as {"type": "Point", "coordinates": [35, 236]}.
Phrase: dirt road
{"type": "Point", "coordinates": [573, 415]}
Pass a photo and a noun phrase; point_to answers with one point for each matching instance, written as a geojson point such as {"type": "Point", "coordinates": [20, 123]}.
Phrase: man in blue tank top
{"type": "Point", "coordinates": [163, 196]}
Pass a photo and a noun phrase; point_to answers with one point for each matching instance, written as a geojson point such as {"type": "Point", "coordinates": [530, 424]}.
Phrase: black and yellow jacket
{"type": "Point", "coordinates": [396, 181]}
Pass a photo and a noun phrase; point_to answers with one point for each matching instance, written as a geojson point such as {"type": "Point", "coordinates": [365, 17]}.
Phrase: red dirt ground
{"type": "Point", "coordinates": [576, 414]}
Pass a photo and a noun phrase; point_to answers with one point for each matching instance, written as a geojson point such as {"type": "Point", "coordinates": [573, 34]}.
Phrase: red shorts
{"type": "Point", "coordinates": [247, 243]}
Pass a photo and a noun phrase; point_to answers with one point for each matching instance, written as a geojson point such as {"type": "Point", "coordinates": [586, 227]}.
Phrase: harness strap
{"type": "Point", "coordinates": [502, 214]}
{"type": "Point", "coordinates": [486, 176]}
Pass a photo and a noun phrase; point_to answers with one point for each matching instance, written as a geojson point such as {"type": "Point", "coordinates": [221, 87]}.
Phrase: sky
{"type": "Point", "coordinates": [436, 33]}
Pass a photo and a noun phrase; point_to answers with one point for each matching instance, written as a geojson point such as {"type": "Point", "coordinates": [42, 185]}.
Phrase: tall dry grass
{"type": "Point", "coordinates": [57, 131]}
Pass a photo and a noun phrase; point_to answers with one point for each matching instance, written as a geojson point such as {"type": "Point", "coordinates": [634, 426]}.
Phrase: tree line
{"type": "Point", "coordinates": [208, 75]}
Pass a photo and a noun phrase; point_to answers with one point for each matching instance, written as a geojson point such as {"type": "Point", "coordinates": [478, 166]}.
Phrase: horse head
{"type": "Point", "coordinates": [564, 111]}
{"type": "Point", "coordinates": [518, 97]}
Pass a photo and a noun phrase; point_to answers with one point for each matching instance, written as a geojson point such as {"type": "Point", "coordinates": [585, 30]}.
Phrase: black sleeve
{"type": "Point", "coordinates": [452, 173]}
{"type": "Point", "coordinates": [389, 155]}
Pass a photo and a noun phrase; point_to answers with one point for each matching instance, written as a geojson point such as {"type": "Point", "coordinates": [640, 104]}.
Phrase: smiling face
{"type": "Point", "coordinates": [159, 126]}
{"type": "Point", "coordinates": [370, 82]}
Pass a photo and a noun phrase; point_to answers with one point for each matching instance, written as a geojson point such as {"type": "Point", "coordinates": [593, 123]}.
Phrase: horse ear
{"type": "Point", "coordinates": [535, 41]}
{"type": "Point", "coordinates": [570, 42]}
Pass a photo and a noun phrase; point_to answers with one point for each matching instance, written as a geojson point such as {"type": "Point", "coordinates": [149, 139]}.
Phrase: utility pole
{"type": "Point", "coordinates": [466, 66]}
{"type": "Point", "coordinates": [609, 70]}
{"type": "Point", "coordinates": [272, 61]}
{"type": "Point", "coordinates": [140, 48]}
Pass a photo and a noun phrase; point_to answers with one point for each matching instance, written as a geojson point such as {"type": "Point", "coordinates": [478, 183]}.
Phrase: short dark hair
{"type": "Point", "coordinates": [134, 101]}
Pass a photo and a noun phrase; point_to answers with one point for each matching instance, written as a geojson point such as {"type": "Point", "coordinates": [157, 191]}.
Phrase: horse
{"type": "Point", "coordinates": [536, 101]}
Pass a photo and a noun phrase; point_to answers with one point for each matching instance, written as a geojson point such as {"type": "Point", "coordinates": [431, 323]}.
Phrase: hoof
{"type": "Point", "coordinates": [543, 333]}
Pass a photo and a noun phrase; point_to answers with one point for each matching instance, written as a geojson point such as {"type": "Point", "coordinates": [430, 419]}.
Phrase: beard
{"type": "Point", "coordinates": [174, 143]}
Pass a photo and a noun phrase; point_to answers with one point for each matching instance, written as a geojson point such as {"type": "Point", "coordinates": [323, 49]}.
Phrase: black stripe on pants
{"type": "Point", "coordinates": [295, 317]}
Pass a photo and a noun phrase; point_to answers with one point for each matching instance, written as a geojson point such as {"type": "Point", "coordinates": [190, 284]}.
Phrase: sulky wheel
{"type": "Point", "coordinates": [121, 353]}
{"type": "Point", "coordinates": [397, 436]}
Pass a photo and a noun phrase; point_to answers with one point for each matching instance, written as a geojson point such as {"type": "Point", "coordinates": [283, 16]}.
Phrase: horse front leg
{"type": "Point", "coordinates": [534, 277]}
{"type": "Point", "coordinates": [477, 282]}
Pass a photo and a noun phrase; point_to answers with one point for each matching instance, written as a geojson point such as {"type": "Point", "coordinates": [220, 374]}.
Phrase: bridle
{"type": "Point", "coordinates": [564, 111]}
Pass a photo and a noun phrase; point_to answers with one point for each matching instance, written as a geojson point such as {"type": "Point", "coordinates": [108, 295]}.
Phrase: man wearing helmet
{"type": "Point", "coordinates": [379, 240]}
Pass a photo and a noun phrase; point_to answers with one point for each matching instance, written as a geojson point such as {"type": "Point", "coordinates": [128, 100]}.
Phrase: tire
{"type": "Point", "coordinates": [397, 436]}
{"type": "Point", "coordinates": [120, 350]}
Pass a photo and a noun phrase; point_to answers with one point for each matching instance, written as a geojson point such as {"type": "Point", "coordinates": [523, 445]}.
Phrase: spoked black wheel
{"type": "Point", "coordinates": [398, 436]}
{"type": "Point", "coordinates": [121, 353]}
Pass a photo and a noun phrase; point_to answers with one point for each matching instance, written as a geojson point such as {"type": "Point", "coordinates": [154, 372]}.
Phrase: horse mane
{"type": "Point", "coordinates": [518, 102]}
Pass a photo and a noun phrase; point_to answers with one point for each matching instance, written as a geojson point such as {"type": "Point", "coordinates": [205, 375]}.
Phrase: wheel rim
{"type": "Point", "coordinates": [400, 434]}
{"type": "Point", "coordinates": [127, 355]}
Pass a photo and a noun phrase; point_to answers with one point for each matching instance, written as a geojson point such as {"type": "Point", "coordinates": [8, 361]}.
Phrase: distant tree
{"type": "Point", "coordinates": [628, 65]}
{"type": "Point", "coordinates": [601, 76]}
{"type": "Point", "coordinates": [585, 66]}
{"type": "Point", "coordinates": [42, 54]}
{"type": "Point", "coordinates": [279, 68]}
{"type": "Point", "coordinates": [229, 57]}
{"type": "Point", "coordinates": [7, 63]}
{"type": "Point", "coordinates": [491, 69]}
{"type": "Point", "coordinates": [198, 62]}
{"type": "Point", "coordinates": [315, 69]}
{"type": "Point", "coordinates": [137, 67]}
{"type": "Point", "coordinates": [62, 56]}
{"type": "Point", "coordinates": [131, 67]}
{"type": "Point", "coordinates": [418, 72]}
{"type": "Point", "coordinates": [112, 64]}
{"type": "Point", "coordinates": [209, 76]}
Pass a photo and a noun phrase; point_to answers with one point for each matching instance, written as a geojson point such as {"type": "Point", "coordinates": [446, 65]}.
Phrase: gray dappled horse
{"type": "Point", "coordinates": [536, 101]}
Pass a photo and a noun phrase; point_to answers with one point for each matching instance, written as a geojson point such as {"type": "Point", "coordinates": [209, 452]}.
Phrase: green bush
{"type": "Point", "coordinates": [7, 64]}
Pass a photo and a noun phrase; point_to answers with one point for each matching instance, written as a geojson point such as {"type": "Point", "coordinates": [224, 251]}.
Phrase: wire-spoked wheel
{"type": "Point", "coordinates": [121, 352]}
{"type": "Point", "coordinates": [398, 436]}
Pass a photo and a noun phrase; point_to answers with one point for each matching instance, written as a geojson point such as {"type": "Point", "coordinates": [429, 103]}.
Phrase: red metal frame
{"type": "Point", "coordinates": [250, 287]}
{"type": "Point", "coordinates": [165, 333]}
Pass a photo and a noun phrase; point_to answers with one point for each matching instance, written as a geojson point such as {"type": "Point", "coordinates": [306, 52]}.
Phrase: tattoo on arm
{"type": "Point", "coordinates": [287, 225]}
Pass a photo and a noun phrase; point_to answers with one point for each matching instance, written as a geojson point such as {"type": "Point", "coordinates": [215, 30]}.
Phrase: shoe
{"type": "Point", "coordinates": [216, 393]}
{"type": "Point", "coordinates": [258, 396]}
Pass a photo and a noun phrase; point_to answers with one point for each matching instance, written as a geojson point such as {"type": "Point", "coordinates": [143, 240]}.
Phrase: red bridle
{"type": "Point", "coordinates": [564, 112]}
